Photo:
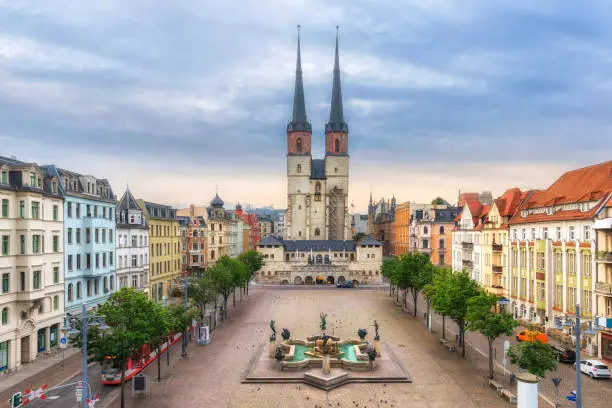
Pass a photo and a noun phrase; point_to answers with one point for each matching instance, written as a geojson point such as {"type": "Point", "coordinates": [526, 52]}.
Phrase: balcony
{"type": "Point", "coordinates": [497, 247]}
{"type": "Point", "coordinates": [467, 245]}
{"type": "Point", "coordinates": [603, 288]}
{"type": "Point", "coordinates": [468, 264]}
{"type": "Point", "coordinates": [604, 257]}
{"type": "Point", "coordinates": [496, 290]}
{"type": "Point", "coordinates": [603, 323]}
{"type": "Point", "coordinates": [498, 269]}
{"type": "Point", "coordinates": [30, 296]}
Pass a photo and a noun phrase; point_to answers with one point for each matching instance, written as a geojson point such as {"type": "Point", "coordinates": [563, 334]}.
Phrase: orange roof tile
{"type": "Point", "coordinates": [508, 203]}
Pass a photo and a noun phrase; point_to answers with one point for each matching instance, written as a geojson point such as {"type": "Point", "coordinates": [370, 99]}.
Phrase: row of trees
{"type": "Point", "coordinates": [453, 294]}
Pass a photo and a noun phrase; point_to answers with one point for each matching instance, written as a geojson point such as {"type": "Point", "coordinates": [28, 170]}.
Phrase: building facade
{"type": "Point", "coordinates": [552, 250]}
{"type": "Point", "coordinates": [381, 223]}
{"type": "Point", "coordinates": [89, 236]}
{"type": "Point", "coordinates": [603, 282]}
{"type": "Point", "coordinates": [442, 235]}
{"type": "Point", "coordinates": [467, 239]}
{"type": "Point", "coordinates": [31, 262]}
{"type": "Point", "coordinates": [219, 222]}
{"type": "Point", "coordinates": [164, 249]}
{"type": "Point", "coordinates": [320, 262]}
{"type": "Point", "coordinates": [194, 245]}
{"type": "Point", "coordinates": [317, 189]}
{"type": "Point", "coordinates": [251, 229]}
{"type": "Point", "coordinates": [132, 245]}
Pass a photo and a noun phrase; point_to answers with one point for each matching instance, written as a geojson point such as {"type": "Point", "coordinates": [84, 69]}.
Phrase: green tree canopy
{"type": "Point", "coordinates": [438, 201]}
{"type": "Point", "coordinates": [253, 261]}
{"type": "Point", "coordinates": [533, 356]}
{"type": "Point", "coordinates": [202, 292]}
{"type": "Point", "coordinates": [223, 281]}
{"type": "Point", "coordinates": [483, 317]}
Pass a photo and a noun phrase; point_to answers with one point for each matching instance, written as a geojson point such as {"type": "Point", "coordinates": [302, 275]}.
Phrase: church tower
{"type": "Point", "coordinates": [337, 161]}
{"type": "Point", "coordinates": [299, 161]}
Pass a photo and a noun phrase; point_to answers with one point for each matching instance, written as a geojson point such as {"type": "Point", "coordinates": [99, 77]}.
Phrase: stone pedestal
{"type": "Point", "coordinates": [326, 365]}
{"type": "Point", "coordinates": [377, 347]}
{"type": "Point", "coordinates": [527, 390]}
{"type": "Point", "coordinates": [272, 348]}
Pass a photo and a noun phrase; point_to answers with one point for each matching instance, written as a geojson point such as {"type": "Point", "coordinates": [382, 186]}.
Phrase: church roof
{"type": "Point", "coordinates": [217, 201]}
{"type": "Point", "coordinates": [317, 169]}
{"type": "Point", "coordinates": [128, 202]}
{"type": "Point", "coordinates": [299, 121]}
{"type": "Point", "coordinates": [336, 115]}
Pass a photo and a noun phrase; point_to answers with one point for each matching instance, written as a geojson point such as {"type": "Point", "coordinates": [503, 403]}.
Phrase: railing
{"type": "Point", "coordinates": [604, 257]}
{"type": "Point", "coordinates": [498, 268]}
{"type": "Point", "coordinates": [497, 247]}
{"type": "Point", "coordinates": [467, 263]}
{"type": "Point", "coordinates": [467, 245]}
{"type": "Point", "coordinates": [603, 288]}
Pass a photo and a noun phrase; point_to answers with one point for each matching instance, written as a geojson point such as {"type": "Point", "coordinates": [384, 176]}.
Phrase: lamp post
{"type": "Point", "coordinates": [85, 322]}
{"type": "Point", "coordinates": [184, 282]}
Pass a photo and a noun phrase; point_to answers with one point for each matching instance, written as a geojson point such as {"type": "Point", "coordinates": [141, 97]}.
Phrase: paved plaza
{"type": "Point", "coordinates": [212, 376]}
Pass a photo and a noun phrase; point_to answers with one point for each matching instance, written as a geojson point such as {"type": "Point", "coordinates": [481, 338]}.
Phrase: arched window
{"type": "Point", "coordinates": [88, 288]}
{"type": "Point", "coordinates": [337, 145]}
{"type": "Point", "coordinates": [299, 168]}
{"type": "Point", "coordinates": [317, 232]}
{"type": "Point", "coordinates": [112, 283]}
{"type": "Point", "coordinates": [105, 284]}
{"type": "Point", "coordinates": [5, 316]}
{"type": "Point", "coordinates": [70, 294]}
{"type": "Point", "coordinates": [79, 291]}
{"type": "Point", "coordinates": [441, 230]}
{"type": "Point", "coordinates": [298, 145]}
{"type": "Point", "coordinates": [212, 254]}
{"type": "Point", "coordinates": [55, 302]}
{"type": "Point", "coordinates": [424, 230]}
{"type": "Point", "coordinates": [318, 187]}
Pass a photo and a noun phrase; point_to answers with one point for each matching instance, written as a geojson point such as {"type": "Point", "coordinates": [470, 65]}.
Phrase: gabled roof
{"type": "Point", "coordinates": [508, 202]}
{"type": "Point", "coordinates": [446, 215]}
{"type": "Point", "coordinates": [369, 240]}
{"type": "Point", "coordinates": [317, 169]}
{"type": "Point", "coordinates": [270, 240]}
{"type": "Point", "coordinates": [128, 202]}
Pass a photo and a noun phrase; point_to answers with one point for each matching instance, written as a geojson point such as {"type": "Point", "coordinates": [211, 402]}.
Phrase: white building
{"type": "Point", "coordinates": [320, 262]}
{"type": "Point", "coordinates": [467, 237]}
{"type": "Point", "coordinates": [132, 245]}
{"type": "Point", "coordinates": [317, 189]}
{"type": "Point", "coordinates": [31, 263]}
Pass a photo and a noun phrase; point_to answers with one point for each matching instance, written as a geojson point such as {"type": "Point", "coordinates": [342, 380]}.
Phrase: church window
{"type": "Point", "coordinates": [299, 168]}
{"type": "Point", "coordinates": [337, 146]}
{"type": "Point", "coordinates": [298, 145]}
{"type": "Point", "coordinates": [317, 232]}
{"type": "Point", "coordinates": [318, 187]}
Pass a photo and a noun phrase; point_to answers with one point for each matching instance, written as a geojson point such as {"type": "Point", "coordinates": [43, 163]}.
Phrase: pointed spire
{"type": "Point", "coordinates": [299, 121]}
{"type": "Point", "coordinates": [336, 114]}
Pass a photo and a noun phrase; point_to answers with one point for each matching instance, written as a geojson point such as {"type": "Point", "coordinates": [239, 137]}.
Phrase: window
{"type": "Point", "coordinates": [5, 207]}
{"type": "Point", "coordinates": [540, 290]}
{"type": "Point", "coordinates": [586, 233]}
{"type": "Point", "coordinates": [425, 230]}
{"type": "Point", "coordinates": [103, 212]}
{"type": "Point", "coordinates": [134, 261]}
{"type": "Point", "coordinates": [22, 209]}
{"type": "Point", "coordinates": [441, 232]}
{"type": "Point", "coordinates": [69, 235]}
{"type": "Point", "coordinates": [5, 245]}
{"type": "Point", "coordinates": [36, 280]}
{"type": "Point", "coordinates": [571, 263]}
{"type": "Point", "coordinates": [79, 291]}
{"type": "Point", "coordinates": [35, 244]}
{"type": "Point", "coordinates": [55, 302]}
{"type": "Point", "coordinates": [33, 179]}
{"type": "Point", "coordinates": [97, 261]}
{"type": "Point", "coordinates": [22, 281]}
{"type": "Point", "coordinates": [55, 243]}
{"type": "Point", "coordinates": [545, 233]}
{"type": "Point", "coordinates": [5, 282]}
{"type": "Point", "coordinates": [523, 234]}
{"type": "Point", "coordinates": [87, 261]}
{"type": "Point", "coordinates": [110, 258]}
{"type": "Point", "coordinates": [298, 145]}
{"type": "Point", "coordinates": [134, 281]}
{"type": "Point", "coordinates": [441, 259]}
{"type": "Point", "coordinates": [55, 211]}
{"type": "Point", "coordinates": [87, 235]}
{"type": "Point", "coordinates": [110, 236]}
{"type": "Point", "coordinates": [571, 299]}
{"type": "Point", "coordinates": [35, 209]}
{"type": "Point", "coordinates": [4, 179]}
{"type": "Point", "coordinates": [337, 145]}
{"type": "Point", "coordinates": [78, 262]}
{"type": "Point", "coordinates": [424, 243]}
{"type": "Point", "coordinates": [212, 254]}
{"type": "Point", "coordinates": [69, 209]}
{"type": "Point", "coordinates": [77, 206]}
{"type": "Point", "coordinates": [586, 300]}
{"type": "Point", "coordinates": [97, 235]}
{"type": "Point", "coordinates": [96, 211]}
{"type": "Point", "coordinates": [586, 264]}
{"type": "Point", "coordinates": [104, 259]}
{"type": "Point", "coordinates": [70, 294]}
{"type": "Point", "coordinates": [558, 233]}
{"type": "Point", "coordinates": [317, 232]}
{"type": "Point", "coordinates": [70, 262]}
{"type": "Point", "coordinates": [441, 243]}
{"type": "Point", "coordinates": [22, 244]}
{"type": "Point", "coordinates": [112, 282]}
{"type": "Point", "coordinates": [97, 286]}
{"type": "Point", "coordinates": [78, 235]}
{"type": "Point", "coordinates": [572, 233]}
{"type": "Point", "coordinates": [558, 262]}
{"type": "Point", "coordinates": [56, 274]}
{"type": "Point", "coordinates": [104, 236]}
{"type": "Point", "coordinates": [533, 233]}
{"type": "Point", "coordinates": [5, 316]}
{"type": "Point", "coordinates": [88, 287]}
{"type": "Point", "coordinates": [299, 168]}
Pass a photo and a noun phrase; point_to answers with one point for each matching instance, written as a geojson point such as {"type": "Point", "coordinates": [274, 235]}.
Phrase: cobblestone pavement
{"type": "Point", "coordinates": [595, 392]}
{"type": "Point", "coordinates": [211, 376]}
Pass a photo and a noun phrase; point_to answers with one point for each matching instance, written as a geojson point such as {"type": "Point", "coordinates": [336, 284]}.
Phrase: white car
{"type": "Point", "coordinates": [594, 368]}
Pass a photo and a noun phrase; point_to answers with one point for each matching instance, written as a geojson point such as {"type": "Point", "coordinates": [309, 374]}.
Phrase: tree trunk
{"type": "Point", "coordinates": [234, 297]}
{"type": "Point", "coordinates": [247, 287]}
{"type": "Point", "coordinates": [396, 295]}
{"type": "Point", "coordinates": [490, 358]}
{"type": "Point", "coordinates": [415, 295]}
{"type": "Point", "coordinates": [429, 319]}
{"type": "Point", "coordinates": [168, 352]}
{"type": "Point", "coordinates": [390, 289]}
{"type": "Point", "coordinates": [159, 362]}
{"type": "Point", "coordinates": [443, 327]}
{"type": "Point", "coordinates": [216, 300]}
{"type": "Point", "coordinates": [461, 339]}
{"type": "Point", "coordinates": [124, 366]}
{"type": "Point", "coordinates": [225, 307]}
{"type": "Point", "coordinates": [241, 290]}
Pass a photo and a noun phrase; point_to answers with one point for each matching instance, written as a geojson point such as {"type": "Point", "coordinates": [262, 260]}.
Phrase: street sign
{"type": "Point", "coordinates": [63, 342]}
{"type": "Point", "coordinates": [506, 346]}
{"type": "Point", "coordinates": [503, 301]}
{"type": "Point", "coordinates": [139, 384]}
{"type": "Point", "coordinates": [79, 391]}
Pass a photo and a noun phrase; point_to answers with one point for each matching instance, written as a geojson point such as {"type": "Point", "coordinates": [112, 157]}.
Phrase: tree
{"type": "Point", "coordinates": [439, 201]}
{"type": "Point", "coordinates": [253, 261]}
{"type": "Point", "coordinates": [202, 292]}
{"type": "Point", "coordinates": [223, 281]}
{"type": "Point", "coordinates": [388, 270]}
{"type": "Point", "coordinates": [358, 236]}
{"type": "Point", "coordinates": [533, 356]}
{"type": "Point", "coordinates": [237, 270]}
{"type": "Point", "coordinates": [130, 315]}
{"type": "Point", "coordinates": [415, 268]}
{"type": "Point", "coordinates": [434, 294]}
{"type": "Point", "coordinates": [482, 317]}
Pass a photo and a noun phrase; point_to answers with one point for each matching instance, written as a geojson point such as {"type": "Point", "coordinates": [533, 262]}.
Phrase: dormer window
{"type": "Point", "coordinates": [32, 179]}
{"type": "Point", "coordinates": [54, 187]}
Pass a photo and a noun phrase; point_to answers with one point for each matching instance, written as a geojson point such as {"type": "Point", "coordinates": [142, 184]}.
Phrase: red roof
{"type": "Point", "coordinates": [465, 197]}
{"type": "Point", "coordinates": [592, 183]}
{"type": "Point", "coordinates": [508, 203]}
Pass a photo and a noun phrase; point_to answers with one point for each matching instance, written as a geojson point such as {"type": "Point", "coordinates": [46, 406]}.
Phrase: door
{"type": "Point", "coordinates": [25, 349]}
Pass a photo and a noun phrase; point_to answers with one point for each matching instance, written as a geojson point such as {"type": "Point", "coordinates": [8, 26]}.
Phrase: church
{"type": "Point", "coordinates": [317, 189]}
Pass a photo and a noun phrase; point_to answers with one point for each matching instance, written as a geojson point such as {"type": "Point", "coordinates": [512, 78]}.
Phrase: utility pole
{"type": "Point", "coordinates": [578, 373]}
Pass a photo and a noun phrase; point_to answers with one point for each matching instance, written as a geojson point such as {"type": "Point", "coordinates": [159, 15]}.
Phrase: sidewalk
{"type": "Point", "coordinates": [50, 369]}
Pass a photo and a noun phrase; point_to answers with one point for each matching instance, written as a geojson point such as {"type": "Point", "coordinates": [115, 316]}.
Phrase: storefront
{"type": "Point", "coordinates": [4, 356]}
{"type": "Point", "coordinates": [53, 335]}
{"type": "Point", "coordinates": [40, 347]}
{"type": "Point", "coordinates": [606, 347]}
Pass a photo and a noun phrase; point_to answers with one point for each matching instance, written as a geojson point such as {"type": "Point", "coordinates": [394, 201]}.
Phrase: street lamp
{"type": "Point", "coordinates": [184, 282]}
{"type": "Point", "coordinates": [86, 321]}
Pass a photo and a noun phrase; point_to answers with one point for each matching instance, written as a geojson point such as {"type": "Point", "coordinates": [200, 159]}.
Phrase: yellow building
{"type": "Point", "coordinates": [165, 248]}
{"type": "Point", "coordinates": [603, 282]}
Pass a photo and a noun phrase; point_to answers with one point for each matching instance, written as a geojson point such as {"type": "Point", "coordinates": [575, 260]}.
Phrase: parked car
{"type": "Point", "coordinates": [345, 284]}
{"type": "Point", "coordinates": [531, 335]}
{"type": "Point", "coordinates": [565, 355]}
{"type": "Point", "coordinates": [594, 368]}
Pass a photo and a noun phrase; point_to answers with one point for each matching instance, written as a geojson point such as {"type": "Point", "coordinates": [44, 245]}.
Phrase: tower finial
{"type": "Point", "coordinates": [299, 120]}
{"type": "Point", "coordinates": [336, 114]}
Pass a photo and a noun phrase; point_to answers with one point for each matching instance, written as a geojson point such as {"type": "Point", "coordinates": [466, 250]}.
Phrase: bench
{"type": "Point", "coordinates": [509, 395]}
{"type": "Point", "coordinates": [498, 387]}
{"type": "Point", "coordinates": [449, 346]}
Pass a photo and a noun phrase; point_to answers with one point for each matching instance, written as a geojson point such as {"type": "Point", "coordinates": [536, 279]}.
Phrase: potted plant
{"type": "Point", "coordinates": [362, 333]}
{"type": "Point", "coordinates": [286, 334]}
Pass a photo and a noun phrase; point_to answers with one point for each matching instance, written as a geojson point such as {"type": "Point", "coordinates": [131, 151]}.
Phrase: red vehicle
{"type": "Point", "coordinates": [111, 372]}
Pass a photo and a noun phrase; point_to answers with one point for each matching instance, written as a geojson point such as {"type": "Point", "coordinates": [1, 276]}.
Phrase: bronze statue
{"type": "Point", "coordinates": [377, 337]}
{"type": "Point", "coordinates": [323, 324]}
{"type": "Point", "coordinates": [273, 336]}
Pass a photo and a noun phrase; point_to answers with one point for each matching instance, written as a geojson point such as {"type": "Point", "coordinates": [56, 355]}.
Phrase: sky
{"type": "Point", "coordinates": [182, 99]}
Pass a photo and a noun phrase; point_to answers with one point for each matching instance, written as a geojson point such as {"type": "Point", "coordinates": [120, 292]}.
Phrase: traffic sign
{"type": "Point", "coordinates": [506, 346]}
{"type": "Point", "coordinates": [63, 342]}
{"type": "Point", "coordinates": [79, 391]}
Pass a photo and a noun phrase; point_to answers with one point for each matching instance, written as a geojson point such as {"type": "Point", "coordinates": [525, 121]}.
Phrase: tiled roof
{"type": "Point", "coordinates": [508, 202]}
{"type": "Point", "coordinates": [447, 214]}
{"type": "Point", "coordinates": [317, 169]}
{"type": "Point", "coordinates": [319, 245]}
{"type": "Point", "coordinates": [369, 240]}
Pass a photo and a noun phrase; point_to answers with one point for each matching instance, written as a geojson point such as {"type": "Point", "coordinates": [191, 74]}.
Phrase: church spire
{"type": "Point", "coordinates": [336, 114]}
{"type": "Point", "coordinates": [299, 121]}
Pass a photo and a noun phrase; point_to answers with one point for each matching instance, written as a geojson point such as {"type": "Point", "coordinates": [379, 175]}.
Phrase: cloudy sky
{"type": "Point", "coordinates": [175, 98]}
